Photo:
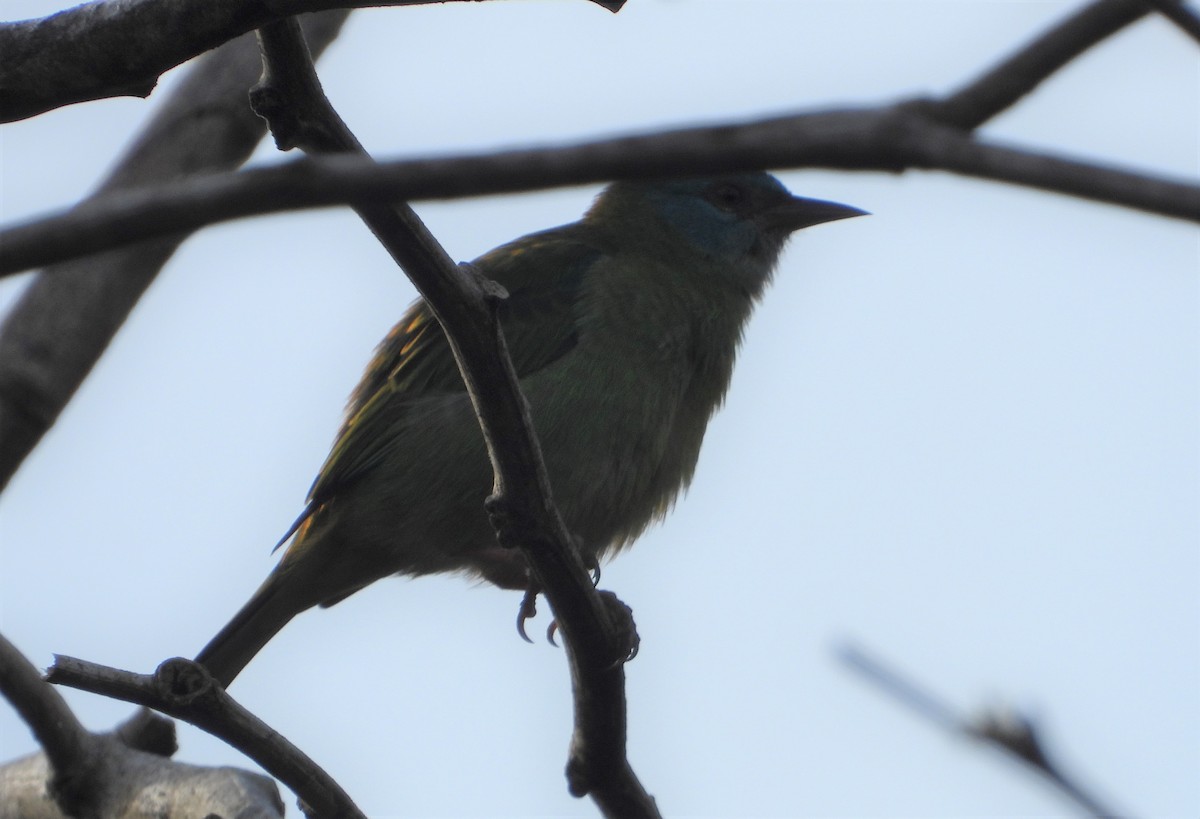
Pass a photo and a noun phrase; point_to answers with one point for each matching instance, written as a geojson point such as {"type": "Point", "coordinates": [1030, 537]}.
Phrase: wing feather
{"type": "Point", "coordinates": [542, 273]}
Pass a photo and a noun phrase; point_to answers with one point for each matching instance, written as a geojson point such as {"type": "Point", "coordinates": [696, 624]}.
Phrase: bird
{"type": "Point", "coordinates": [622, 328]}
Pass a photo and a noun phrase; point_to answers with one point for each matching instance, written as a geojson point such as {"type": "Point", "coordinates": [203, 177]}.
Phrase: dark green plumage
{"type": "Point", "coordinates": [622, 328]}
{"type": "Point", "coordinates": [541, 273]}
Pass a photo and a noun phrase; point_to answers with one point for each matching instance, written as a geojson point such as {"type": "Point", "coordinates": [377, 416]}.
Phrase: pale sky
{"type": "Point", "coordinates": [962, 432]}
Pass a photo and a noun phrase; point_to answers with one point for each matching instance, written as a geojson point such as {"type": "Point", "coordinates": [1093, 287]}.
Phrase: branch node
{"type": "Point", "coordinates": [291, 125]}
{"type": "Point", "coordinates": [183, 683]}
{"type": "Point", "coordinates": [1011, 730]}
{"type": "Point", "coordinates": [512, 528]}
{"type": "Point", "coordinates": [149, 732]}
{"type": "Point", "coordinates": [490, 289]}
{"type": "Point", "coordinates": [579, 783]}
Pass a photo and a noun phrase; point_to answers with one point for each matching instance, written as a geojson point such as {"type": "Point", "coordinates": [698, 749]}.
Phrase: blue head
{"type": "Point", "coordinates": [740, 220]}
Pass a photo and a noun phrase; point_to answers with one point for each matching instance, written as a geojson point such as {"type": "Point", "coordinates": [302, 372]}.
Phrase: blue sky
{"type": "Point", "coordinates": [962, 432]}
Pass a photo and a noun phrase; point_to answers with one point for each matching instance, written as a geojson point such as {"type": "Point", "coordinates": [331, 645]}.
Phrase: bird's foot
{"type": "Point", "coordinates": [627, 639]}
{"type": "Point", "coordinates": [528, 611]}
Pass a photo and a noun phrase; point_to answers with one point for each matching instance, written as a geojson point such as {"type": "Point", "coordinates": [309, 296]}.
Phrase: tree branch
{"type": "Point", "coordinates": [1007, 82]}
{"type": "Point", "coordinates": [127, 772]}
{"type": "Point", "coordinates": [68, 746]}
{"type": "Point", "coordinates": [890, 139]}
{"type": "Point", "coordinates": [1179, 13]}
{"type": "Point", "coordinates": [290, 97]}
{"type": "Point", "coordinates": [184, 690]}
{"type": "Point", "coordinates": [64, 320]}
{"type": "Point", "coordinates": [100, 49]}
{"type": "Point", "coordinates": [1011, 732]}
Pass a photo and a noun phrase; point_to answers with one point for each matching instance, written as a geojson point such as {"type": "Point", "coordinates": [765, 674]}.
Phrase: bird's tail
{"type": "Point", "coordinates": [251, 628]}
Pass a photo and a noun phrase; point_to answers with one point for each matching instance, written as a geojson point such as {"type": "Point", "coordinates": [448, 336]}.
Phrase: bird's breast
{"type": "Point", "coordinates": [621, 419]}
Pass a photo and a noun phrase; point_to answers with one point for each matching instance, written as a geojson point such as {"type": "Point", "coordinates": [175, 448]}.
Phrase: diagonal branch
{"type": "Point", "coordinates": [1007, 82]}
{"type": "Point", "coordinates": [290, 97]}
{"type": "Point", "coordinates": [65, 319]}
{"type": "Point", "coordinates": [67, 744]}
{"type": "Point", "coordinates": [1014, 734]}
{"type": "Point", "coordinates": [100, 49]}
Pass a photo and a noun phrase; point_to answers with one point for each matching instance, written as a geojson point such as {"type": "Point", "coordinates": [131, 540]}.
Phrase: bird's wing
{"type": "Point", "coordinates": [542, 274]}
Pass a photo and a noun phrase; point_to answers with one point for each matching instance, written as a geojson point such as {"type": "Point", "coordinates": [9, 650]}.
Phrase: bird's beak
{"type": "Point", "coordinates": [797, 212]}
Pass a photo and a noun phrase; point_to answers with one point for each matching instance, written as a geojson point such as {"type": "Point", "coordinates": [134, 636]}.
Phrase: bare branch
{"type": "Point", "coordinates": [936, 147]}
{"type": "Point", "coordinates": [290, 96]}
{"type": "Point", "coordinates": [100, 50]}
{"type": "Point", "coordinates": [1011, 732]}
{"type": "Point", "coordinates": [1009, 81]}
{"type": "Point", "coordinates": [127, 772]}
{"type": "Point", "coordinates": [66, 317]}
{"type": "Point", "coordinates": [888, 139]}
{"type": "Point", "coordinates": [67, 744]}
{"type": "Point", "coordinates": [186, 691]}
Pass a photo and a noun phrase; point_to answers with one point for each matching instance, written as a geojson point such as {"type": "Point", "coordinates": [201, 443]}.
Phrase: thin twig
{"type": "Point", "coordinates": [905, 690]}
{"type": "Point", "coordinates": [1011, 732]}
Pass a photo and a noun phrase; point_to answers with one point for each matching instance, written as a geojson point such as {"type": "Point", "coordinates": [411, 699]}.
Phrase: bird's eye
{"type": "Point", "coordinates": [727, 196]}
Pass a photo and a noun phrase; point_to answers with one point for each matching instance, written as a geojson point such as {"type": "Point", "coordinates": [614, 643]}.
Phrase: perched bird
{"type": "Point", "coordinates": [622, 328]}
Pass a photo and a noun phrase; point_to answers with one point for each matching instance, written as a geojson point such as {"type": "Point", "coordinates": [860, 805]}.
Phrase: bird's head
{"type": "Point", "coordinates": [740, 220]}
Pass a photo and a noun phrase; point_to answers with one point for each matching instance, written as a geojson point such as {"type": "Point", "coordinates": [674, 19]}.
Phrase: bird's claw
{"type": "Point", "coordinates": [527, 611]}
